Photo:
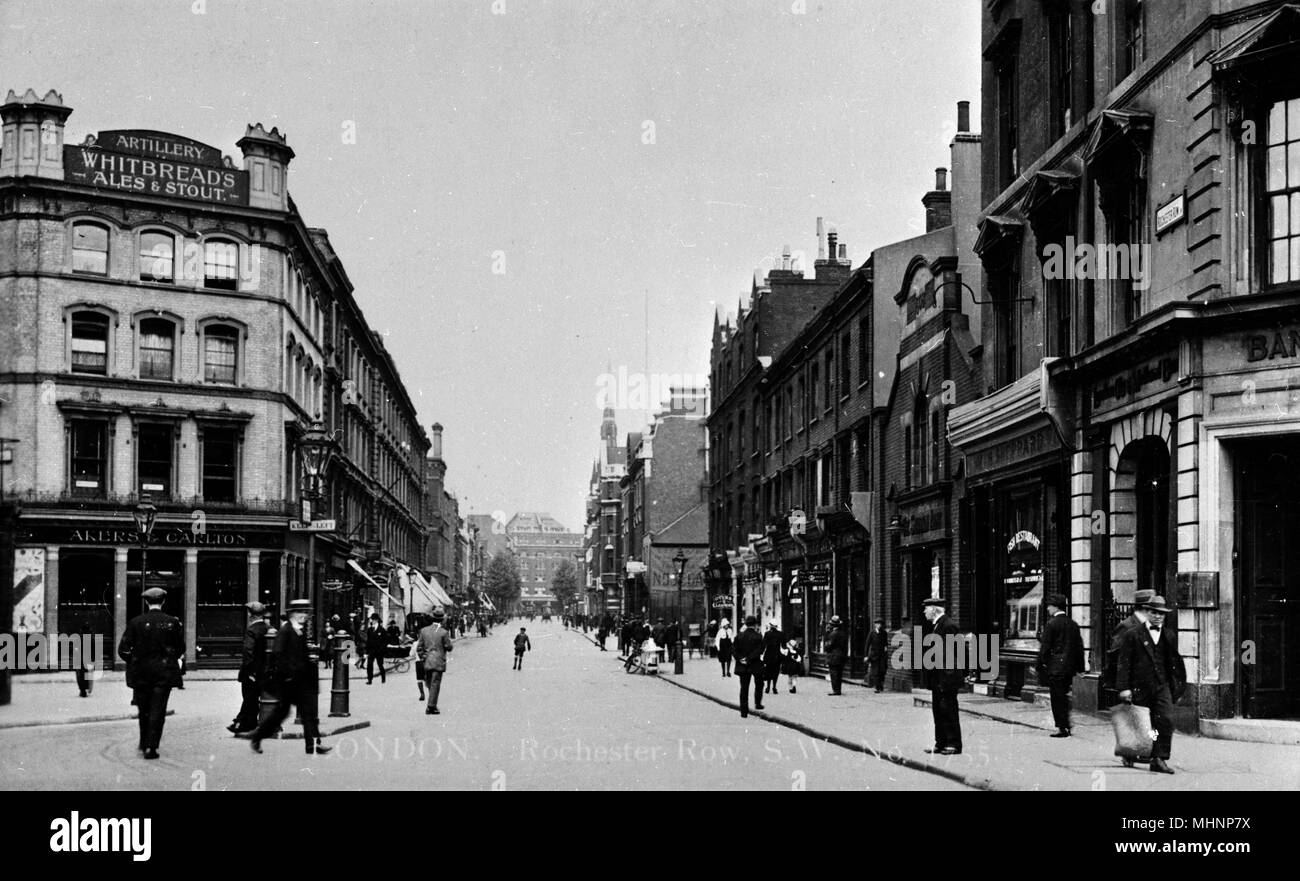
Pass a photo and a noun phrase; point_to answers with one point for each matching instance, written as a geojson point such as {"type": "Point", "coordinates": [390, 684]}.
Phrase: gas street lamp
{"type": "Point", "coordinates": [145, 515]}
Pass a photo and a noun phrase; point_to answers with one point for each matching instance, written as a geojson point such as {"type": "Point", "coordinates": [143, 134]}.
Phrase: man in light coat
{"type": "Point", "coordinates": [432, 648]}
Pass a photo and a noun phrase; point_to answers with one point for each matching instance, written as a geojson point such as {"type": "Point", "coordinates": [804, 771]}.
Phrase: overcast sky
{"type": "Point", "coordinates": [625, 158]}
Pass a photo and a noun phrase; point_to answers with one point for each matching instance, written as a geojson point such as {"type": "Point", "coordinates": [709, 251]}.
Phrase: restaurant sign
{"type": "Point", "coordinates": [1009, 452]}
{"type": "Point", "coordinates": [156, 164]}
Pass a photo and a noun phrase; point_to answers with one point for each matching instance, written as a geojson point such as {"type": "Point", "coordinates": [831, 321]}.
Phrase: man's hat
{"type": "Point", "coordinates": [751, 621]}
{"type": "Point", "coordinates": [300, 605]}
{"type": "Point", "coordinates": [936, 601]}
{"type": "Point", "coordinates": [256, 608]}
{"type": "Point", "coordinates": [1058, 600]}
{"type": "Point", "coordinates": [154, 595]}
{"type": "Point", "coordinates": [1149, 599]}
{"type": "Point", "coordinates": [835, 619]}
{"type": "Point", "coordinates": [438, 614]}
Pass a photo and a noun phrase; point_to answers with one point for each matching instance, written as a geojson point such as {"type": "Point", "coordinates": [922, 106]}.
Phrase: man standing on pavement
{"type": "Point", "coordinates": [376, 641]}
{"type": "Point", "coordinates": [296, 681]}
{"type": "Point", "coordinates": [1149, 671]}
{"type": "Point", "coordinates": [945, 682]}
{"type": "Point", "coordinates": [749, 664]}
{"type": "Point", "coordinates": [837, 654]}
{"type": "Point", "coordinates": [252, 668]}
{"type": "Point", "coordinates": [522, 644]}
{"type": "Point", "coordinates": [432, 648]}
{"type": "Point", "coordinates": [877, 652]}
{"type": "Point", "coordinates": [673, 636]}
{"type": "Point", "coordinates": [1060, 657]}
{"type": "Point", "coordinates": [152, 647]}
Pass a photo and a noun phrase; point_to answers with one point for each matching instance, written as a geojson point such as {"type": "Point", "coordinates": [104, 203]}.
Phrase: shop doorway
{"type": "Point", "coordinates": [1268, 570]}
{"type": "Point", "coordinates": [86, 596]}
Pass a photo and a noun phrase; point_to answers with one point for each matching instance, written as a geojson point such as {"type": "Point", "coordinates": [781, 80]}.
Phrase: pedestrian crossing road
{"type": "Point", "coordinates": [570, 719]}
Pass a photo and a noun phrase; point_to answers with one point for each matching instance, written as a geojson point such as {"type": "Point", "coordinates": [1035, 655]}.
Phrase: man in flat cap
{"type": "Point", "coordinates": [252, 668]}
{"type": "Point", "coordinates": [1149, 671]}
{"type": "Point", "coordinates": [296, 681]}
{"type": "Point", "coordinates": [152, 647]}
{"type": "Point", "coordinates": [945, 682]}
{"type": "Point", "coordinates": [1060, 657]}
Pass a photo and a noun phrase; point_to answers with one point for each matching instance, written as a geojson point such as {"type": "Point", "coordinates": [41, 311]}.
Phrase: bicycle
{"type": "Point", "coordinates": [642, 661]}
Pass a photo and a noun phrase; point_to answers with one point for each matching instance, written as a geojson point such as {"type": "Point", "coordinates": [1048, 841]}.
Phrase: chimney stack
{"type": "Point", "coordinates": [938, 203]}
{"type": "Point", "coordinates": [821, 255]}
{"type": "Point", "coordinates": [785, 258]}
{"type": "Point", "coordinates": [963, 116]}
{"type": "Point", "coordinates": [832, 236]}
{"type": "Point", "coordinates": [435, 449]}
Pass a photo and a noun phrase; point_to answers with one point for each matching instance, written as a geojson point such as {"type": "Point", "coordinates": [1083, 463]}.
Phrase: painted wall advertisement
{"type": "Point", "coordinates": [29, 590]}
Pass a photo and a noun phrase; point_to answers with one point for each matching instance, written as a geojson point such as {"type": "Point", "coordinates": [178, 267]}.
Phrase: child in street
{"type": "Point", "coordinates": [522, 644]}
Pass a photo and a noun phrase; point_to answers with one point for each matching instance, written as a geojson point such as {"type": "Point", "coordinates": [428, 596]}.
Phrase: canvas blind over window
{"type": "Point", "coordinates": [89, 343]}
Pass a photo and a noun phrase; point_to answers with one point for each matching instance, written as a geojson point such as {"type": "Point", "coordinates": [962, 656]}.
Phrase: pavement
{"type": "Point", "coordinates": [571, 719]}
{"type": "Point", "coordinates": [1006, 744]}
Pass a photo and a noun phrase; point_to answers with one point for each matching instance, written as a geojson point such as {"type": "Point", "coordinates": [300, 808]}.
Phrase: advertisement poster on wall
{"type": "Point", "coordinates": [29, 590]}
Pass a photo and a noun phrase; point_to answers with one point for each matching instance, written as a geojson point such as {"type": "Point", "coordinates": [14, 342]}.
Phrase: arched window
{"type": "Point", "coordinates": [220, 354]}
{"type": "Point", "coordinates": [221, 265]}
{"type": "Point", "coordinates": [90, 343]}
{"type": "Point", "coordinates": [90, 248]}
{"type": "Point", "coordinates": [1151, 509]}
{"type": "Point", "coordinates": [157, 256]}
{"type": "Point", "coordinates": [157, 349]}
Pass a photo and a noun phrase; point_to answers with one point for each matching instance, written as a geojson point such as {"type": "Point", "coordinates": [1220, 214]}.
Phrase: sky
{"type": "Point", "coordinates": [531, 195]}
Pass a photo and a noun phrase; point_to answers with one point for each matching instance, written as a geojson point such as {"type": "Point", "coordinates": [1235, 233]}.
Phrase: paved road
{"type": "Point", "coordinates": [572, 719]}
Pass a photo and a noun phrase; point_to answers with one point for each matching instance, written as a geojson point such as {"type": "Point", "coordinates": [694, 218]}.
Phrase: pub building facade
{"type": "Point", "coordinates": [170, 328]}
{"type": "Point", "coordinates": [931, 290]}
{"type": "Point", "coordinates": [1141, 424]}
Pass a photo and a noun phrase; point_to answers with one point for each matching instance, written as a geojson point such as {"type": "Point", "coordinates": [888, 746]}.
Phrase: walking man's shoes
{"type": "Point", "coordinates": [1161, 767]}
{"type": "Point", "coordinates": [1062, 732]}
{"type": "Point", "coordinates": [320, 750]}
{"type": "Point", "coordinates": [153, 754]}
{"type": "Point", "coordinates": [255, 744]}
{"type": "Point", "coordinates": [950, 751]}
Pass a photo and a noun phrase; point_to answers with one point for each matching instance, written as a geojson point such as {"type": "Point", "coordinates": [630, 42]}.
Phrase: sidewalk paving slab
{"type": "Point", "coordinates": [1006, 743]}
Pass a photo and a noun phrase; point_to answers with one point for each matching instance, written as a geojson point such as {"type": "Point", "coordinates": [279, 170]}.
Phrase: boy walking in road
{"type": "Point", "coordinates": [522, 644]}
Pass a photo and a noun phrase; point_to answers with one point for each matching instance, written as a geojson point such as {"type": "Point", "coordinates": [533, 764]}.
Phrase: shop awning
{"type": "Point", "coordinates": [375, 584]}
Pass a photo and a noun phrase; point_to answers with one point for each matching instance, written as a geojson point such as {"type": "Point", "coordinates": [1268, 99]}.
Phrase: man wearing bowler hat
{"type": "Point", "coordinates": [837, 654]}
{"type": "Point", "coordinates": [252, 668]}
{"type": "Point", "coordinates": [152, 647]}
{"type": "Point", "coordinates": [295, 679]}
{"type": "Point", "coordinates": [1060, 657]}
{"type": "Point", "coordinates": [748, 651]}
{"type": "Point", "coordinates": [1149, 671]}
{"type": "Point", "coordinates": [945, 682]}
{"type": "Point", "coordinates": [432, 648]}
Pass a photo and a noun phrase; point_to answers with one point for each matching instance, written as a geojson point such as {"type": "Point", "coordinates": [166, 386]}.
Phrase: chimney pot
{"type": "Point", "coordinates": [963, 116]}
{"type": "Point", "coordinates": [941, 179]}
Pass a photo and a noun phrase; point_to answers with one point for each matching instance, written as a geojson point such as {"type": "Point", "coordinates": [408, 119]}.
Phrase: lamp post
{"type": "Point", "coordinates": [316, 446]}
{"type": "Point", "coordinates": [680, 560]}
{"type": "Point", "coordinates": [145, 516]}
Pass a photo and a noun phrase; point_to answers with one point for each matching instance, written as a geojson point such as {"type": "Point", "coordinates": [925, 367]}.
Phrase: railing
{"type": "Point", "coordinates": [128, 501]}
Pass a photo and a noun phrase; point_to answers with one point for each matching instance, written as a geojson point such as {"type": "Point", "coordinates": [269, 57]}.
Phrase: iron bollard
{"type": "Point", "coordinates": [340, 693]}
{"type": "Point", "coordinates": [266, 703]}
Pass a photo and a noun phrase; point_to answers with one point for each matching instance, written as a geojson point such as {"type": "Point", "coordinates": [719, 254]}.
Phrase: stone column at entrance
{"type": "Point", "coordinates": [254, 574]}
{"type": "Point", "coordinates": [191, 604]}
{"type": "Point", "coordinates": [51, 590]}
{"type": "Point", "coordinates": [120, 610]}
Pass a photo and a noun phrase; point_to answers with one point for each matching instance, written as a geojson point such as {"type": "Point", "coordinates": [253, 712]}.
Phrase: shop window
{"type": "Point", "coordinates": [157, 256]}
{"type": "Point", "coordinates": [220, 452]}
{"type": "Point", "coordinates": [90, 248]}
{"type": "Point", "coordinates": [90, 343]}
{"type": "Point", "coordinates": [221, 265]}
{"type": "Point", "coordinates": [220, 354]}
{"type": "Point", "coordinates": [88, 458]}
{"type": "Point", "coordinates": [1023, 584]}
{"type": "Point", "coordinates": [1282, 192]}
{"type": "Point", "coordinates": [154, 454]}
{"type": "Point", "coordinates": [157, 348]}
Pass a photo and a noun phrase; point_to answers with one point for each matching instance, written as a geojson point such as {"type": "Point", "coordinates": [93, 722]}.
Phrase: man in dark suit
{"type": "Point", "coordinates": [376, 642]}
{"type": "Point", "coordinates": [945, 682]}
{"type": "Point", "coordinates": [748, 650]}
{"type": "Point", "coordinates": [837, 653]}
{"type": "Point", "coordinates": [152, 647]}
{"type": "Point", "coordinates": [877, 654]}
{"type": "Point", "coordinates": [252, 668]}
{"type": "Point", "coordinates": [1149, 671]}
{"type": "Point", "coordinates": [1060, 657]}
{"type": "Point", "coordinates": [295, 680]}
